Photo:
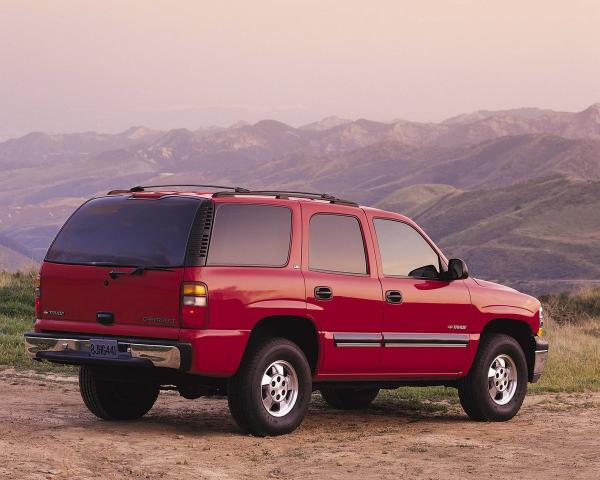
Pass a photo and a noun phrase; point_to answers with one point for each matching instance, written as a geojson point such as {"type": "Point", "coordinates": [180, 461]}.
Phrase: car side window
{"type": "Point", "coordinates": [404, 252]}
{"type": "Point", "coordinates": [250, 235]}
{"type": "Point", "coordinates": [336, 244]}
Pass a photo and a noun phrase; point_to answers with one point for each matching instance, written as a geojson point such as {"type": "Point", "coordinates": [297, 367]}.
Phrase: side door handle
{"type": "Point", "coordinates": [323, 293]}
{"type": "Point", "coordinates": [393, 296]}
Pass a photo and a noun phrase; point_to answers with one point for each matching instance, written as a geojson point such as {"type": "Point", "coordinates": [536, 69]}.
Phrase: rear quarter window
{"type": "Point", "coordinates": [250, 235]}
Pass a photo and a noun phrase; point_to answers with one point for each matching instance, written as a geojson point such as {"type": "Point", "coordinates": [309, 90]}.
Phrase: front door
{"type": "Point", "coordinates": [343, 291]}
{"type": "Point", "coordinates": [426, 319]}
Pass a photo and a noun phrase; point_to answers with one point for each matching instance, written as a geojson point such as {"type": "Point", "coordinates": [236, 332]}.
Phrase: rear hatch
{"type": "Point", "coordinates": [117, 267]}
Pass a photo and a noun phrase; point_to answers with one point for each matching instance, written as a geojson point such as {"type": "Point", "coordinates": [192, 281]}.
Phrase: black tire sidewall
{"type": "Point", "coordinates": [494, 346]}
{"type": "Point", "coordinates": [104, 398]}
{"type": "Point", "coordinates": [261, 421]}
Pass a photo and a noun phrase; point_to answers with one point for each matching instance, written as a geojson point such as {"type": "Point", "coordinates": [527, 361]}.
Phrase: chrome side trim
{"type": "Point", "coordinates": [167, 356]}
{"type": "Point", "coordinates": [357, 339]}
{"type": "Point", "coordinates": [401, 340]}
{"type": "Point", "coordinates": [424, 344]}
{"type": "Point", "coordinates": [412, 340]}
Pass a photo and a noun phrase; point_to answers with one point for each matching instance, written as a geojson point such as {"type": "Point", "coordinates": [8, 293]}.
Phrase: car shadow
{"type": "Point", "coordinates": [211, 417]}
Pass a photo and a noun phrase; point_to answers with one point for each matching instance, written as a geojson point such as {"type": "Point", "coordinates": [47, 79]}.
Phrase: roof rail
{"type": "Point", "coordinates": [142, 188]}
{"type": "Point", "coordinates": [289, 193]}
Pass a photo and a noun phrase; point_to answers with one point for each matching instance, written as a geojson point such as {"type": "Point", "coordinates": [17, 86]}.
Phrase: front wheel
{"type": "Point", "coordinates": [349, 398]}
{"type": "Point", "coordinates": [269, 394]}
{"type": "Point", "coordinates": [495, 387]}
{"type": "Point", "coordinates": [113, 400]}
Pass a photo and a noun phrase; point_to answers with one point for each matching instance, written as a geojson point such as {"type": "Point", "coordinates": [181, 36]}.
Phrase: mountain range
{"type": "Point", "coordinates": [514, 192]}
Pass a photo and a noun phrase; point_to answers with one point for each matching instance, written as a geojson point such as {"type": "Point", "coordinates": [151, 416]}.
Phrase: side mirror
{"type": "Point", "coordinates": [428, 271]}
{"type": "Point", "coordinates": [457, 270]}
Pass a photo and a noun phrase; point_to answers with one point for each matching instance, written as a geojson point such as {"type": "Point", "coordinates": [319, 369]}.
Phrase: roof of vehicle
{"type": "Point", "coordinates": [225, 193]}
{"type": "Point", "coordinates": [157, 191]}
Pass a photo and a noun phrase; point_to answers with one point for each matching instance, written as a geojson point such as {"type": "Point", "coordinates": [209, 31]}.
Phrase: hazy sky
{"type": "Point", "coordinates": [107, 65]}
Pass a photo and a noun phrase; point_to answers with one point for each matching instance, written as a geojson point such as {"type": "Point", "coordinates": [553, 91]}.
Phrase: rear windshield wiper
{"type": "Point", "coordinates": [103, 264]}
{"type": "Point", "coordinates": [138, 271]}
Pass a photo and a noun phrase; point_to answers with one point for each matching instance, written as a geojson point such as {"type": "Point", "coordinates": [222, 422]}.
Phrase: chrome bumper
{"type": "Point", "coordinates": [540, 358]}
{"type": "Point", "coordinates": [76, 350]}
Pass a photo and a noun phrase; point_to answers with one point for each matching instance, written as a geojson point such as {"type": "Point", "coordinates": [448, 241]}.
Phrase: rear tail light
{"type": "Point", "coordinates": [38, 297]}
{"type": "Point", "coordinates": [194, 302]}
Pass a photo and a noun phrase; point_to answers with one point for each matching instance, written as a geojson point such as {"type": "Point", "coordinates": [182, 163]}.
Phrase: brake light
{"type": "Point", "coordinates": [194, 300]}
{"type": "Point", "coordinates": [38, 297]}
{"type": "Point", "coordinates": [541, 327]}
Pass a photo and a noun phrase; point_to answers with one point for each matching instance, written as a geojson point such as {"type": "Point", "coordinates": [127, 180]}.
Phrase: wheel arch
{"type": "Point", "coordinates": [521, 331]}
{"type": "Point", "coordinates": [300, 330]}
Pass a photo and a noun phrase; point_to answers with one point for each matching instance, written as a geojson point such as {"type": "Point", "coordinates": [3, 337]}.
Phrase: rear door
{"type": "Point", "coordinates": [117, 266]}
{"type": "Point", "coordinates": [342, 289]}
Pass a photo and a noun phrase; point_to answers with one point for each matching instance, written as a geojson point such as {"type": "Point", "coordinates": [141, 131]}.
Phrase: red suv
{"type": "Point", "coordinates": [266, 296]}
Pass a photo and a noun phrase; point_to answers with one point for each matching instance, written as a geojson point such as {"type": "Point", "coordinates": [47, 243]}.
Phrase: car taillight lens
{"type": "Point", "coordinates": [194, 302]}
{"type": "Point", "coordinates": [38, 296]}
{"type": "Point", "coordinates": [541, 327]}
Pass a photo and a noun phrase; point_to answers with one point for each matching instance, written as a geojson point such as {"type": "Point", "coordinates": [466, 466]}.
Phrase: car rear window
{"type": "Point", "coordinates": [250, 235]}
{"type": "Point", "coordinates": [126, 231]}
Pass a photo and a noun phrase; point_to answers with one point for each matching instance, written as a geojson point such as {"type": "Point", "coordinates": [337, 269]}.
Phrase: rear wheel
{"type": "Point", "coordinates": [495, 387]}
{"type": "Point", "coordinates": [269, 394]}
{"type": "Point", "coordinates": [349, 398]}
{"type": "Point", "coordinates": [113, 400]}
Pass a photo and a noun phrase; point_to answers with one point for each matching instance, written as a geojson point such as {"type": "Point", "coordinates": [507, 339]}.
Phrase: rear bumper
{"type": "Point", "coordinates": [540, 358]}
{"type": "Point", "coordinates": [75, 350]}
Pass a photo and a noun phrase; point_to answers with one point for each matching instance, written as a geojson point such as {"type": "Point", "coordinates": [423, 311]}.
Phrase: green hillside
{"type": "Point", "coordinates": [543, 234]}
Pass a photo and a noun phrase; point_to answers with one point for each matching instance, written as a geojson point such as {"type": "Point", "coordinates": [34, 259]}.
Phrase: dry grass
{"type": "Point", "coordinates": [17, 315]}
{"type": "Point", "coordinates": [572, 326]}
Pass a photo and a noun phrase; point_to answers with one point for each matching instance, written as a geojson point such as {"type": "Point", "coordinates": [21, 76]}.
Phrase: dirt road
{"type": "Point", "coordinates": [46, 433]}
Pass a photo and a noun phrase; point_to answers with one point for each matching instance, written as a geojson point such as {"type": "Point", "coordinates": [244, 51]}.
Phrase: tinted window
{"type": "Point", "coordinates": [404, 251]}
{"type": "Point", "coordinates": [336, 244]}
{"type": "Point", "coordinates": [126, 231]}
{"type": "Point", "coordinates": [250, 235]}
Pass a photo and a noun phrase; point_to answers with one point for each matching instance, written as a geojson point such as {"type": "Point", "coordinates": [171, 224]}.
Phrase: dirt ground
{"type": "Point", "coordinates": [46, 433]}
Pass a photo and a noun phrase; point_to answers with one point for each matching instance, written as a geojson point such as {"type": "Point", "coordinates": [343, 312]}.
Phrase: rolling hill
{"type": "Point", "coordinates": [542, 232]}
{"type": "Point", "coordinates": [515, 192]}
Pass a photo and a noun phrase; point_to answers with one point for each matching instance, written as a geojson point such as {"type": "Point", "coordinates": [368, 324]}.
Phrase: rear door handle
{"type": "Point", "coordinates": [323, 293]}
{"type": "Point", "coordinates": [393, 296]}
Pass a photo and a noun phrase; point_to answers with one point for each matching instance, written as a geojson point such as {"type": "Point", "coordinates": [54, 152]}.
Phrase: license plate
{"type": "Point", "coordinates": [100, 348]}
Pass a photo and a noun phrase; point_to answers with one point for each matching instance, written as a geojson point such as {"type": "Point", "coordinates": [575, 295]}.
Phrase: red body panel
{"type": "Point", "coordinates": [145, 305]}
{"type": "Point", "coordinates": [241, 297]}
{"type": "Point", "coordinates": [428, 307]}
{"type": "Point", "coordinates": [355, 308]}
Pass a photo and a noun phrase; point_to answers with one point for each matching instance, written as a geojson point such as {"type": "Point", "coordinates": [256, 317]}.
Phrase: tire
{"type": "Point", "coordinates": [270, 408]}
{"type": "Point", "coordinates": [480, 397]}
{"type": "Point", "coordinates": [112, 400]}
{"type": "Point", "coordinates": [349, 399]}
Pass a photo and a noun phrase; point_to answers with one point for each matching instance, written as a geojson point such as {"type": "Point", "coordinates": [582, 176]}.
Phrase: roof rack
{"type": "Point", "coordinates": [288, 193]}
{"type": "Point", "coordinates": [142, 188]}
